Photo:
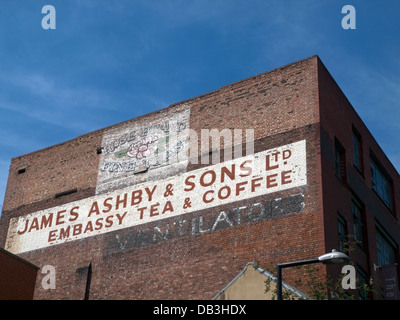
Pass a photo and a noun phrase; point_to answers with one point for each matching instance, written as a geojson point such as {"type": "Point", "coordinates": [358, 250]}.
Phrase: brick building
{"type": "Point", "coordinates": [129, 212]}
{"type": "Point", "coordinates": [17, 277]}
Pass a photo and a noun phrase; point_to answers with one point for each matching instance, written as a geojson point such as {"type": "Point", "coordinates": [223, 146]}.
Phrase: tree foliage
{"type": "Point", "coordinates": [317, 285]}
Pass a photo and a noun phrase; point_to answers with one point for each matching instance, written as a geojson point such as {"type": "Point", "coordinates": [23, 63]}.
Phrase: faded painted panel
{"type": "Point", "coordinates": [156, 149]}
{"type": "Point", "coordinates": [262, 173]}
{"type": "Point", "coordinates": [194, 224]}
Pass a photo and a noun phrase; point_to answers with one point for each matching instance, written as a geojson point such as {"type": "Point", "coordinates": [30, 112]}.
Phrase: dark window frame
{"type": "Point", "coordinates": [358, 213]}
{"type": "Point", "coordinates": [340, 161]}
{"type": "Point", "coordinates": [361, 279]}
{"type": "Point", "coordinates": [342, 232]}
{"type": "Point", "coordinates": [382, 183]}
{"type": "Point", "coordinates": [386, 247]}
{"type": "Point", "coordinates": [357, 151]}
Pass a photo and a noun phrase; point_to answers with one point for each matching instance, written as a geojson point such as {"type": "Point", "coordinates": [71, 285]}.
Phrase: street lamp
{"type": "Point", "coordinates": [334, 257]}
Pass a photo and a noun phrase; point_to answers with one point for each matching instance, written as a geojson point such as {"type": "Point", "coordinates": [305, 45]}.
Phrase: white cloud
{"type": "Point", "coordinates": [48, 100]}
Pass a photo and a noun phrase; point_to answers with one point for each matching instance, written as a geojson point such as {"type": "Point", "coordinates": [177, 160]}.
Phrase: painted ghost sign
{"type": "Point", "coordinates": [197, 223]}
{"type": "Point", "coordinates": [142, 148]}
{"type": "Point", "coordinates": [254, 175]}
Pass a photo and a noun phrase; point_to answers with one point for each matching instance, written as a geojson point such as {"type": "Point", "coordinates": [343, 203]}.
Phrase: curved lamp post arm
{"type": "Point", "coordinates": [328, 258]}
{"type": "Point", "coordinates": [287, 265]}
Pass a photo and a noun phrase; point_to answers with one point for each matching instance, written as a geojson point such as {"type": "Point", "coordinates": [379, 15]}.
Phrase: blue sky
{"type": "Point", "coordinates": [110, 61]}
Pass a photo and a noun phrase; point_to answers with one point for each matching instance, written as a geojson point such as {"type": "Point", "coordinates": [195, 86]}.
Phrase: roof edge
{"type": "Point", "coordinates": [265, 273]}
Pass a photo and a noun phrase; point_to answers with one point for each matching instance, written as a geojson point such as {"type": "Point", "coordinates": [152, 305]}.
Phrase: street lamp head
{"type": "Point", "coordinates": [334, 257]}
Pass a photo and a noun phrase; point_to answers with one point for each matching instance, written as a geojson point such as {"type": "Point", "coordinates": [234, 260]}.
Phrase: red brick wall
{"type": "Point", "coordinates": [17, 277]}
{"type": "Point", "coordinates": [281, 106]}
{"type": "Point", "coordinates": [337, 120]}
{"type": "Point", "coordinates": [66, 166]}
{"type": "Point", "coordinates": [131, 264]}
{"type": "Point", "coordinates": [270, 103]}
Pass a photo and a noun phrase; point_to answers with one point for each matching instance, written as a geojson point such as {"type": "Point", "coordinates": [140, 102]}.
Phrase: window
{"type": "Point", "coordinates": [386, 247]}
{"type": "Point", "coordinates": [342, 233]}
{"type": "Point", "coordinates": [357, 150]}
{"type": "Point", "coordinates": [361, 283]}
{"type": "Point", "coordinates": [21, 170]}
{"type": "Point", "coordinates": [357, 209]}
{"type": "Point", "coordinates": [340, 161]}
{"type": "Point", "coordinates": [381, 183]}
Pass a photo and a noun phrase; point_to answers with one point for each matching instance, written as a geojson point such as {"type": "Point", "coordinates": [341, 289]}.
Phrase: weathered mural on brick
{"type": "Point", "coordinates": [262, 173]}
{"type": "Point", "coordinates": [137, 152]}
{"type": "Point", "coordinates": [190, 225]}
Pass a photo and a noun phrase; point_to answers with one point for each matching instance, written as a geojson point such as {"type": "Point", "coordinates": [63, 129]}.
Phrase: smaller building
{"type": "Point", "coordinates": [17, 277]}
{"type": "Point", "coordinates": [250, 284]}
